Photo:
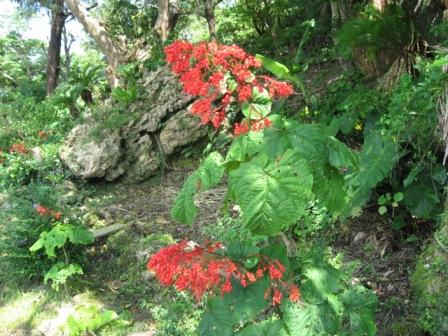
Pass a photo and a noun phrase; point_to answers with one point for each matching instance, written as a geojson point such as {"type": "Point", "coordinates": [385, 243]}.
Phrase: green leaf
{"type": "Point", "coordinates": [55, 238]}
{"type": "Point", "coordinates": [382, 200]}
{"type": "Point", "coordinates": [439, 174]}
{"type": "Point", "coordinates": [240, 251]}
{"type": "Point", "coordinates": [218, 319]}
{"type": "Point", "coordinates": [309, 319]}
{"type": "Point", "coordinates": [308, 140]}
{"type": "Point", "coordinates": [246, 302]}
{"type": "Point", "coordinates": [411, 177]}
{"type": "Point", "coordinates": [58, 235]}
{"type": "Point", "coordinates": [265, 328]}
{"type": "Point", "coordinates": [323, 280]}
{"type": "Point", "coordinates": [376, 159]}
{"type": "Point", "coordinates": [382, 210]}
{"type": "Point", "coordinates": [398, 223]}
{"type": "Point", "coordinates": [38, 243]}
{"type": "Point", "coordinates": [79, 235]}
{"type": "Point", "coordinates": [278, 69]}
{"type": "Point", "coordinates": [398, 197]}
{"type": "Point", "coordinates": [340, 156]}
{"type": "Point", "coordinates": [422, 200]}
{"type": "Point", "coordinates": [205, 177]}
{"type": "Point", "coordinates": [272, 194]}
{"type": "Point", "coordinates": [329, 187]}
{"type": "Point", "coordinates": [184, 209]}
{"type": "Point", "coordinates": [360, 305]}
{"type": "Point", "coordinates": [243, 147]}
{"type": "Point", "coordinates": [60, 272]}
{"type": "Point", "coordinates": [259, 106]}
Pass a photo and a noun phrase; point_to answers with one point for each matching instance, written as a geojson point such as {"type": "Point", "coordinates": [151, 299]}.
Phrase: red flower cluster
{"type": "Point", "coordinates": [247, 125]}
{"type": "Point", "coordinates": [47, 212]}
{"type": "Point", "coordinates": [42, 135]}
{"type": "Point", "coordinates": [188, 266]}
{"type": "Point", "coordinates": [221, 75]}
{"type": "Point", "coordinates": [18, 148]}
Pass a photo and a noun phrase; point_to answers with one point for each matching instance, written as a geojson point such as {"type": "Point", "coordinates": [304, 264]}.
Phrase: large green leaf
{"type": "Point", "coordinates": [376, 159]}
{"type": "Point", "coordinates": [421, 199]}
{"type": "Point", "coordinates": [205, 177]}
{"type": "Point", "coordinates": [309, 140]}
{"type": "Point", "coordinates": [259, 106]}
{"type": "Point", "coordinates": [184, 209]}
{"type": "Point", "coordinates": [322, 282]}
{"type": "Point", "coordinates": [78, 234]}
{"type": "Point", "coordinates": [218, 319]}
{"type": "Point", "coordinates": [272, 194]}
{"type": "Point", "coordinates": [246, 302]}
{"type": "Point", "coordinates": [329, 187]}
{"type": "Point", "coordinates": [50, 240]}
{"type": "Point", "coordinates": [277, 68]}
{"type": "Point", "coordinates": [309, 319]}
{"type": "Point", "coordinates": [265, 328]}
{"type": "Point", "coordinates": [360, 305]}
{"type": "Point", "coordinates": [243, 147]}
{"type": "Point", "coordinates": [60, 272]}
{"type": "Point", "coordinates": [58, 235]}
{"type": "Point", "coordinates": [340, 156]}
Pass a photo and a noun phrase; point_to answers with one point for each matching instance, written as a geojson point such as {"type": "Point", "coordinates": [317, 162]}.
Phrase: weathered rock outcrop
{"type": "Point", "coordinates": [134, 151]}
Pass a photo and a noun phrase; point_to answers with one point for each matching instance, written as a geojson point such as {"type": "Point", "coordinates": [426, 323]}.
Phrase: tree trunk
{"type": "Point", "coordinates": [338, 15]}
{"type": "Point", "coordinates": [209, 12]}
{"type": "Point", "coordinates": [379, 4]}
{"type": "Point", "coordinates": [68, 40]}
{"type": "Point", "coordinates": [54, 48]}
{"type": "Point", "coordinates": [445, 13]}
{"type": "Point", "coordinates": [115, 53]}
{"type": "Point", "coordinates": [167, 18]}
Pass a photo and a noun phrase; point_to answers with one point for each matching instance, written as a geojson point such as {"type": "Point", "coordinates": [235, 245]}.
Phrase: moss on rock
{"type": "Point", "coordinates": [430, 285]}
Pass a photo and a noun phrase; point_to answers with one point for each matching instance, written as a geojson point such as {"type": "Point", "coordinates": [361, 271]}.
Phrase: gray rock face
{"type": "Point", "coordinates": [90, 157]}
{"type": "Point", "coordinates": [133, 151]}
{"type": "Point", "coordinates": [181, 129]}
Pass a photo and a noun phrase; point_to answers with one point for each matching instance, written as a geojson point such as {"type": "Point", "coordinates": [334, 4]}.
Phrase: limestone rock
{"type": "Point", "coordinates": [92, 157]}
{"type": "Point", "coordinates": [133, 151]}
{"type": "Point", "coordinates": [180, 130]}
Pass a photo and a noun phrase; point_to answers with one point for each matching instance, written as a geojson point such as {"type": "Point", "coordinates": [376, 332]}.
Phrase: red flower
{"type": "Point", "coordinates": [251, 277]}
{"type": "Point", "coordinates": [218, 118]}
{"type": "Point", "coordinates": [203, 109]}
{"type": "Point", "coordinates": [18, 148]}
{"type": "Point", "coordinates": [211, 70]}
{"type": "Point", "coordinates": [196, 269]}
{"type": "Point", "coordinates": [57, 215]}
{"type": "Point", "coordinates": [276, 270]}
{"type": "Point", "coordinates": [278, 89]}
{"type": "Point", "coordinates": [277, 297]}
{"type": "Point", "coordinates": [43, 211]}
{"type": "Point", "coordinates": [245, 92]}
{"type": "Point", "coordinates": [294, 294]}
{"type": "Point", "coordinates": [42, 135]}
{"type": "Point", "coordinates": [188, 266]}
{"type": "Point", "coordinates": [239, 129]}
